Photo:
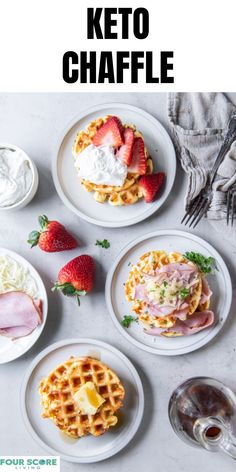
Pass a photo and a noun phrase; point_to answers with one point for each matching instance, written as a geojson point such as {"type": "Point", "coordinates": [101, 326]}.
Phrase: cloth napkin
{"type": "Point", "coordinates": [199, 123]}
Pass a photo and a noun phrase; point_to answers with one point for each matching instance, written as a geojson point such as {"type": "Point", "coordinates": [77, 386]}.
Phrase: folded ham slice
{"type": "Point", "coordinates": [19, 314]}
{"type": "Point", "coordinates": [206, 291]}
{"type": "Point", "coordinates": [153, 309]}
{"type": "Point", "coordinates": [200, 320]}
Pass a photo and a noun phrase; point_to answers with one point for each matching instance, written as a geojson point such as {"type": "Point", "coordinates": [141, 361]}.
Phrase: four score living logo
{"type": "Point", "coordinates": [117, 66]}
{"type": "Point", "coordinates": [28, 463]}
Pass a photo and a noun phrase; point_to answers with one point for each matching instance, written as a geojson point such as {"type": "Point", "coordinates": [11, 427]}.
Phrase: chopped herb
{"type": "Point", "coordinates": [183, 293]}
{"type": "Point", "coordinates": [104, 244]}
{"type": "Point", "coordinates": [162, 292]}
{"type": "Point", "coordinates": [165, 283]}
{"type": "Point", "coordinates": [205, 264]}
{"type": "Point", "coordinates": [127, 320]}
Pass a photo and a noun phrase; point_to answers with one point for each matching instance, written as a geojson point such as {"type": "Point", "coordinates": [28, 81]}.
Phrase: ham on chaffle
{"type": "Point", "coordinates": [170, 295]}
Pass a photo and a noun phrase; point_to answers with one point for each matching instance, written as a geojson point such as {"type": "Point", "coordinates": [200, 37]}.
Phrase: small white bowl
{"type": "Point", "coordinates": [35, 181]}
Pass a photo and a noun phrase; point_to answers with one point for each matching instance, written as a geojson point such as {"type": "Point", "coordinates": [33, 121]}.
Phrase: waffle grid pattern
{"type": "Point", "coordinates": [57, 396]}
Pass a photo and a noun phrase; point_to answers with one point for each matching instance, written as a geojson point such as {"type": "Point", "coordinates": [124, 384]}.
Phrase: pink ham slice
{"type": "Point", "coordinates": [153, 309]}
{"type": "Point", "coordinates": [174, 269]}
{"type": "Point", "coordinates": [206, 291]}
{"type": "Point", "coordinates": [195, 323]}
{"type": "Point", "coordinates": [19, 314]}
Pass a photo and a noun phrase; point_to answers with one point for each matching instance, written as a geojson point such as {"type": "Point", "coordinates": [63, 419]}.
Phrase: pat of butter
{"type": "Point", "coordinates": [88, 399]}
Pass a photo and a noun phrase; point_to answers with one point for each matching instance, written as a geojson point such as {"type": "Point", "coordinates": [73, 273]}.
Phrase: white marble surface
{"type": "Point", "coordinates": [33, 122]}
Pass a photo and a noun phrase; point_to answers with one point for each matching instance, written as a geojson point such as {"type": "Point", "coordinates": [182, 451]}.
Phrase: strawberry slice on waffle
{"type": "Point", "coordinates": [110, 133]}
{"type": "Point", "coordinates": [125, 152]}
{"type": "Point", "coordinates": [151, 185]}
{"type": "Point", "coordinates": [138, 163]}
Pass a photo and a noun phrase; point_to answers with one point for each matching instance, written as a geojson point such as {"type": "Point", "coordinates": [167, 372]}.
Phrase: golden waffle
{"type": "Point", "coordinates": [147, 264]}
{"type": "Point", "coordinates": [57, 396]}
{"type": "Point", "coordinates": [130, 192]}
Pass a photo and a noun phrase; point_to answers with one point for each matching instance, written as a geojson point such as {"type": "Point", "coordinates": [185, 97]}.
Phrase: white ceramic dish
{"type": "Point", "coordinates": [88, 449]}
{"type": "Point", "coordinates": [169, 240]}
{"type": "Point", "coordinates": [35, 181]}
{"type": "Point", "coordinates": [81, 202]}
{"type": "Point", "coordinates": [12, 349]}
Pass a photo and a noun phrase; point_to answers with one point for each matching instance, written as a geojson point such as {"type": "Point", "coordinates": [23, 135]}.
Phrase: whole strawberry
{"type": "Point", "coordinates": [52, 237]}
{"type": "Point", "coordinates": [76, 277]}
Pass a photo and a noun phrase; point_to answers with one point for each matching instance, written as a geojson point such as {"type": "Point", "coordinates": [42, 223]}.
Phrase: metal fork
{"type": "Point", "coordinates": [201, 203]}
{"type": "Point", "coordinates": [231, 204]}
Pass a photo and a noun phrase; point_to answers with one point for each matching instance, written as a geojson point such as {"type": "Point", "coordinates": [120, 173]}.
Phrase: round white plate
{"type": "Point", "coordinates": [81, 202]}
{"type": "Point", "coordinates": [168, 240]}
{"type": "Point", "coordinates": [88, 449]}
{"type": "Point", "coordinates": [12, 349]}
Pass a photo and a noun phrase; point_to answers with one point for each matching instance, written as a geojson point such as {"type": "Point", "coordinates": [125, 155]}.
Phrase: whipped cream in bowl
{"type": "Point", "coordinates": [18, 178]}
{"type": "Point", "coordinates": [99, 165]}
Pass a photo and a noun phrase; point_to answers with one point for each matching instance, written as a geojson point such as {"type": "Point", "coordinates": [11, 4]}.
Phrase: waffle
{"type": "Point", "coordinates": [57, 396]}
{"type": "Point", "coordinates": [130, 192]}
{"type": "Point", "coordinates": [147, 264]}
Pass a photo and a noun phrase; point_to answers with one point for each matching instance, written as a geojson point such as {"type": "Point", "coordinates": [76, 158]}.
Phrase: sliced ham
{"type": "Point", "coordinates": [19, 314]}
{"type": "Point", "coordinates": [141, 293]}
{"type": "Point", "coordinates": [156, 310]}
{"type": "Point", "coordinates": [206, 291]}
{"type": "Point", "coordinates": [177, 267]}
{"type": "Point", "coordinates": [153, 309]}
{"type": "Point", "coordinates": [195, 323]}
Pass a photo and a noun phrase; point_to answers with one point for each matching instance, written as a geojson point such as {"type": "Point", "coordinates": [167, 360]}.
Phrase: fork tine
{"type": "Point", "coordinates": [228, 205]}
{"type": "Point", "coordinates": [233, 208]}
{"type": "Point", "coordinates": [198, 215]}
{"type": "Point", "coordinates": [193, 208]}
{"type": "Point", "coordinates": [203, 211]}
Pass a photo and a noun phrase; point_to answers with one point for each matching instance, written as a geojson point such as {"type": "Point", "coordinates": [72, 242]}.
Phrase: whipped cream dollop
{"type": "Point", "coordinates": [15, 177]}
{"type": "Point", "coordinates": [98, 165]}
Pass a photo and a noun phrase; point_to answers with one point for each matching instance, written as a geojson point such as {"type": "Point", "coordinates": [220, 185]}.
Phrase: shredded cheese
{"type": "Point", "coordinates": [14, 276]}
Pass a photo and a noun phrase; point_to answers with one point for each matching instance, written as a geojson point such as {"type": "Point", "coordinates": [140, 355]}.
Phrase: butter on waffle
{"type": "Point", "coordinates": [130, 192]}
{"type": "Point", "coordinates": [147, 264]}
{"type": "Point", "coordinates": [57, 396]}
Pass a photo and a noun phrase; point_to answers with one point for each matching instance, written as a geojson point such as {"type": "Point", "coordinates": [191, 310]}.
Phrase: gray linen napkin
{"type": "Point", "coordinates": [199, 123]}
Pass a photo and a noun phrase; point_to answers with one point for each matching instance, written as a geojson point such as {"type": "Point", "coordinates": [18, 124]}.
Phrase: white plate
{"type": "Point", "coordinates": [81, 202]}
{"type": "Point", "coordinates": [169, 240]}
{"type": "Point", "coordinates": [12, 349]}
{"type": "Point", "coordinates": [88, 449]}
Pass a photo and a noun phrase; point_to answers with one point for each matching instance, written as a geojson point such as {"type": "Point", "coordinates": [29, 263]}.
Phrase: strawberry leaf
{"type": "Point", "coordinates": [68, 290]}
{"type": "Point", "coordinates": [33, 238]}
{"type": "Point", "coordinates": [43, 221]}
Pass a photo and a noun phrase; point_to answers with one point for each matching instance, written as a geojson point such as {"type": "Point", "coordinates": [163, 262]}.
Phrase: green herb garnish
{"type": "Point", "coordinates": [165, 283]}
{"type": "Point", "coordinates": [162, 292]}
{"type": "Point", "coordinates": [127, 320]}
{"type": "Point", "coordinates": [183, 293]}
{"type": "Point", "coordinates": [104, 244]}
{"type": "Point", "coordinates": [205, 264]}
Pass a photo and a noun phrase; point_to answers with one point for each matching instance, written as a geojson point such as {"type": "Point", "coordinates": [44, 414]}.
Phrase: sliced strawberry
{"type": "Point", "coordinates": [151, 185]}
{"type": "Point", "coordinates": [124, 154]}
{"type": "Point", "coordinates": [109, 133]}
{"type": "Point", "coordinates": [138, 163]}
